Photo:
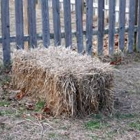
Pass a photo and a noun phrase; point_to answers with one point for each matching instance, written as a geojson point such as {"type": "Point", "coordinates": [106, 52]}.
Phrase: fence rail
{"type": "Point", "coordinates": [82, 32]}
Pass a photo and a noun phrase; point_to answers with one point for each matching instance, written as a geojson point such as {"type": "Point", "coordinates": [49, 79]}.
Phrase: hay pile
{"type": "Point", "coordinates": [70, 83]}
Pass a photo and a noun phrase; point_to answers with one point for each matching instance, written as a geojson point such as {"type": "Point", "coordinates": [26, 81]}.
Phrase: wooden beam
{"type": "Point", "coordinates": [5, 32]}
{"type": "Point", "coordinates": [136, 23]}
{"type": "Point", "coordinates": [26, 27]}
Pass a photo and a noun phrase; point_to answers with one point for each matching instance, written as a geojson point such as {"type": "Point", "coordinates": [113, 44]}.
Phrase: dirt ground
{"type": "Point", "coordinates": [17, 122]}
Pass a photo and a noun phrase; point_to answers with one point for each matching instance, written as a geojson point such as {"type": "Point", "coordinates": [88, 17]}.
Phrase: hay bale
{"type": "Point", "coordinates": [70, 83]}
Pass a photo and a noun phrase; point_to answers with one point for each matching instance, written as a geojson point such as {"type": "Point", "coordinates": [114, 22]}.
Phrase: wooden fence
{"type": "Point", "coordinates": [95, 8]}
{"type": "Point", "coordinates": [20, 38]}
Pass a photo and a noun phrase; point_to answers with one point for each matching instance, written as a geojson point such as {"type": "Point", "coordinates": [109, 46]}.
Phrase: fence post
{"type": "Point", "coordinates": [100, 26]}
{"type": "Point", "coordinates": [131, 25]}
{"type": "Point", "coordinates": [45, 23]}
{"type": "Point", "coordinates": [112, 4]}
{"type": "Point", "coordinates": [32, 23]}
{"type": "Point", "coordinates": [89, 26]}
{"type": "Point", "coordinates": [56, 22]}
{"type": "Point", "coordinates": [79, 25]}
{"type": "Point", "coordinates": [26, 28]}
{"type": "Point", "coordinates": [19, 24]}
{"type": "Point", "coordinates": [138, 37]}
{"type": "Point", "coordinates": [5, 32]}
{"type": "Point", "coordinates": [67, 22]}
{"type": "Point", "coordinates": [122, 24]}
{"type": "Point", "coordinates": [136, 23]}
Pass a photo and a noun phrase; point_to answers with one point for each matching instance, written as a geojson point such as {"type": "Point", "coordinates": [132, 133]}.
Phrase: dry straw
{"type": "Point", "coordinates": [70, 83]}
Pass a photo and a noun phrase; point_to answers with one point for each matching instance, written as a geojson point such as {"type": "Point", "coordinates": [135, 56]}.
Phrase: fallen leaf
{"type": "Point", "coordinates": [20, 95]}
{"type": "Point", "coordinates": [30, 106]}
{"type": "Point", "coordinates": [46, 110]}
{"type": "Point", "coordinates": [38, 116]}
{"type": "Point", "coordinates": [24, 116]}
{"type": "Point", "coordinates": [116, 62]}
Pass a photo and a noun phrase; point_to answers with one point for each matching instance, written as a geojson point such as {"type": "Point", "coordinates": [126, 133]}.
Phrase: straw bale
{"type": "Point", "coordinates": [71, 84]}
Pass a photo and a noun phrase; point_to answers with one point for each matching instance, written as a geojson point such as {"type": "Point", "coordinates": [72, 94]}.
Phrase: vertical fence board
{"type": "Point", "coordinates": [131, 25]}
{"type": "Point", "coordinates": [122, 24]}
{"type": "Point", "coordinates": [56, 22]}
{"type": "Point", "coordinates": [67, 22]}
{"type": "Point", "coordinates": [100, 26]}
{"type": "Point", "coordinates": [89, 26]}
{"type": "Point", "coordinates": [45, 23]}
{"type": "Point", "coordinates": [19, 24]}
{"type": "Point", "coordinates": [136, 24]}
{"type": "Point", "coordinates": [5, 31]}
{"type": "Point", "coordinates": [32, 23]}
{"type": "Point", "coordinates": [26, 27]}
{"type": "Point", "coordinates": [112, 4]}
{"type": "Point", "coordinates": [138, 38]}
{"type": "Point", "coordinates": [79, 25]}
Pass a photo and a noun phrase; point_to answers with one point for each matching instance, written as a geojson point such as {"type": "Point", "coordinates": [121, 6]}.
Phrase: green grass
{"type": "Point", "coordinates": [94, 137]}
{"type": "Point", "coordinates": [125, 116]}
{"type": "Point", "coordinates": [94, 124]}
{"type": "Point", "coordinates": [111, 134]}
{"type": "Point", "coordinates": [52, 135]}
{"type": "Point", "coordinates": [4, 103]}
{"type": "Point", "coordinates": [98, 122]}
{"type": "Point", "coordinates": [39, 105]}
{"type": "Point", "coordinates": [98, 116]}
{"type": "Point", "coordinates": [4, 79]}
{"type": "Point", "coordinates": [135, 125]}
{"type": "Point", "coordinates": [6, 112]}
{"type": "Point", "coordinates": [4, 67]}
{"type": "Point", "coordinates": [56, 136]}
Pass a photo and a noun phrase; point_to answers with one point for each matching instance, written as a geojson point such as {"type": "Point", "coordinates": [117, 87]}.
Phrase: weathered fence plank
{"type": "Point", "coordinates": [89, 26]}
{"type": "Point", "coordinates": [56, 22]}
{"type": "Point", "coordinates": [111, 25]}
{"type": "Point", "coordinates": [19, 24]}
{"type": "Point", "coordinates": [122, 24]}
{"type": "Point", "coordinates": [45, 23]}
{"type": "Point", "coordinates": [32, 23]}
{"type": "Point", "coordinates": [67, 23]}
{"type": "Point", "coordinates": [79, 24]}
{"type": "Point", "coordinates": [138, 37]}
{"type": "Point", "coordinates": [5, 31]}
{"type": "Point", "coordinates": [26, 27]}
{"type": "Point", "coordinates": [100, 26]}
{"type": "Point", "coordinates": [131, 25]}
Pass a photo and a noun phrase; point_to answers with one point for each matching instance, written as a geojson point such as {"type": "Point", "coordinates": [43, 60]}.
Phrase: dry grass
{"type": "Point", "coordinates": [70, 83]}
